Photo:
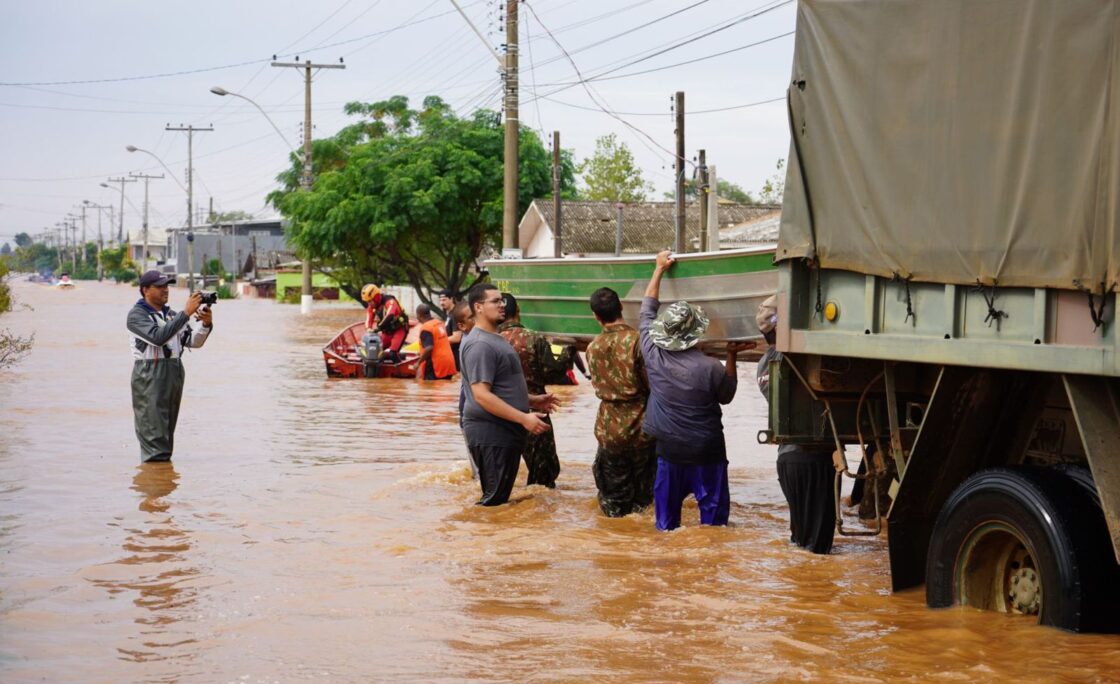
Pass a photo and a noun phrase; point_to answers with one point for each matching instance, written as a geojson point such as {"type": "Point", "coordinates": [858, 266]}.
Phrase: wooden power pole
{"type": "Point", "coordinates": [190, 131]}
{"type": "Point", "coordinates": [557, 207]}
{"type": "Point", "coordinates": [702, 198]}
{"type": "Point", "coordinates": [508, 65]}
{"type": "Point", "coordinates": [509, 209]}
{"type": "Point", "coordinates": [306, 180]}
{"type": "Point", "coordinates": [678, 240]}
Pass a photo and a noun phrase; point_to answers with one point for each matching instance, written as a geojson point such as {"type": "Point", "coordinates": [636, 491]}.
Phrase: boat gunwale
{"type": "Point", "coordinates": [691, 256]}
{"type": "Point", "coordinates": [710, 298]}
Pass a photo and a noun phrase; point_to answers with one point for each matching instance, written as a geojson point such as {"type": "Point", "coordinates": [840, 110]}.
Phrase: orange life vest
{"type": "Point", "coordinates": [442, 360]}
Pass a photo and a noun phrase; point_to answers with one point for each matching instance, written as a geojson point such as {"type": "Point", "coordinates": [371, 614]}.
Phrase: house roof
{"type": "Point", "coordinates": [647, 227]}
{"type": "Point", "coordinates": [763, 228]}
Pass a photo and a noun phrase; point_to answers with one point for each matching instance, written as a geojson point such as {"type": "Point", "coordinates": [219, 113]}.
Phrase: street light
{"type": "Point", "coordinates": [133, 148]}
{"type": "Point", "coordinates": [222, 92]}
{"type": "Point", "coordinates": [100, 240]}
{"type": "Point", "coordinates": [306, 297]}
{"type": "Point", "coordinates": [190, 208]}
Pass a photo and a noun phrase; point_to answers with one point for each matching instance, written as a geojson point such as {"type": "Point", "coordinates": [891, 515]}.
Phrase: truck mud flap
{"type": "Point", "coordinates": [972, 421]}
{"type": "Point", "coordinates": [1096, 408]}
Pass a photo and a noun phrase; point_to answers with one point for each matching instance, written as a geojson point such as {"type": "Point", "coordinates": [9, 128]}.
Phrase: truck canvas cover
{"type": "Point", "coordinates": [957, 140]}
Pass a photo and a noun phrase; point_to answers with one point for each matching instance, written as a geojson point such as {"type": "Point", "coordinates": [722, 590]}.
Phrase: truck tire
{"type": "Point", "coordinates": [1026, 541]}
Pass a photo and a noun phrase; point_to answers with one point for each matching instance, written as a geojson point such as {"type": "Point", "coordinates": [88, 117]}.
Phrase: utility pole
{"type": "Point", "coordinates": [59, 245]}
{"type": "Point", "coordinates": [147, 178]}
{"type": "Point", "coordinates": [100, 237]}
{"type": "Point", "coordinates": [190, 131]}
{"type": "Point", "coordinates": [678, 110]}
{"type": "Point", "coordinates": [120, 226]}
{"type": "Point", "coordinates": [713, 210]}
{"type": "Point", "coordinates": [557, 207]}
{"type": "Point", "coordinates": [702, 198]}
{"type": "Point", "coordinates": [83, 208]}
{"type": "Point", "coordinates": [508, 65]}
{"type": "Point", "coordinates": [509, 213]}
{"type": "Point", "coordinates": [306, 180]}
{"type": "Point", "coordinates": [72, 224]}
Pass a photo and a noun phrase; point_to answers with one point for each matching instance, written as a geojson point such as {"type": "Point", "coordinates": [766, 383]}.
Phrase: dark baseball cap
{"type": "Point", "coordinates": [156, 278]}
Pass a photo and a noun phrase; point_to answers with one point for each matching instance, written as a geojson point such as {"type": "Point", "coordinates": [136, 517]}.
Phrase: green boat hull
{"type": "Point", "coordinates": [553, 293]}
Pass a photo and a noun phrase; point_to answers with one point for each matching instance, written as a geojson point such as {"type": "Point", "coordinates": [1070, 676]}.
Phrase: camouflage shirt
{"type": "Point", "coordinates": [618, 373]}
{"type": "Point", "coordinates": [540, 365]}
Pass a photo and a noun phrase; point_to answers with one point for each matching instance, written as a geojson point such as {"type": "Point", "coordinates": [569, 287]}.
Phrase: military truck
{"type": "Point", "coordinates": [947, 273]}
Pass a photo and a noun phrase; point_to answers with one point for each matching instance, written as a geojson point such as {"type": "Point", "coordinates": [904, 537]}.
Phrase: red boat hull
{"type": "Point", "coordinates": [343, 360]}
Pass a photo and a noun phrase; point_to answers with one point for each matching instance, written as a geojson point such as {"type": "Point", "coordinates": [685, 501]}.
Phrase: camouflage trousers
{"type": "Point", "coordinates": [624, 478]}
{"type": "Point", "coordinates": [541, 459]}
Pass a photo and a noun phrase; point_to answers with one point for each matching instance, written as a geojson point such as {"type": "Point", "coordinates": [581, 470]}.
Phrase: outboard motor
{"type": "Point", "coordinates": [371, 354]}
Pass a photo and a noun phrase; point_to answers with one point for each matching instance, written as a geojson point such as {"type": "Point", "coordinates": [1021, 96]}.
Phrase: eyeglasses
{"type": "Point", "coordinates": [499, 300]}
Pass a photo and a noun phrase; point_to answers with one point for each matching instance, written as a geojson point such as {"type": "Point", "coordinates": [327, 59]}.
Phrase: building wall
{"type": "Point", "coordinates": [232, 250]}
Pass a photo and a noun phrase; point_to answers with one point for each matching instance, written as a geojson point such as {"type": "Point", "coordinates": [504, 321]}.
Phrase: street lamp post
{"type": "Point", "coordinates": [307, 67]}
{"type": "Point", "coordinates": [190, 208]}
{"type": "Point", "coordinates": [100, 238]}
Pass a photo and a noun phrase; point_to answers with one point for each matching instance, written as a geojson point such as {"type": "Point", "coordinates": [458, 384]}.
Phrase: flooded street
{"type": "Point", "coordinates": [324, 530]}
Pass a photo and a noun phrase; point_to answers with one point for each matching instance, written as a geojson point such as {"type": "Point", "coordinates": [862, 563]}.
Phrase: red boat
{"type": "Point", "coordinates": [344, 358]}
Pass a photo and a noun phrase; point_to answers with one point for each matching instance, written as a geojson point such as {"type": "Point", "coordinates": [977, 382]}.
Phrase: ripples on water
{"type": "Point", "coordinates": [314, 529]}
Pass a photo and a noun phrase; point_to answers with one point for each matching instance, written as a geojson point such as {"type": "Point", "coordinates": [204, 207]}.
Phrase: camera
{"type": "Point", "coordinates": [209, 298]}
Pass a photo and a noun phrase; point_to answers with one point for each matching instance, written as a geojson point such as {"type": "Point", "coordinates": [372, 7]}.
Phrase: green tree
{"type": "Point", "coordinates": [408, 196]}
{"type": "Point", "coordinates": [35, 257]}
{"type": "Point", "coordinates": [224, 216]}
{"type": "Point", "coordinates": [726, 191]}
{"type": "Point", "coordinates": [6, 250]}
{"type": "Point", "coordinates": [610, 173]}
{"type": "Point", "coordinates": [775, 186]}
{"type": "Point", "coordinates": [116, 264]}
{"type": "Point", "coordinates": [23, 240]}
{"type": "Point", "coordinates": [12, 346]}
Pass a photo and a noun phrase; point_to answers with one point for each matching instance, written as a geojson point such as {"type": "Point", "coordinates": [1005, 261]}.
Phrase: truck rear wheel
{"type": "Point", "coordinates": [1028, 541]}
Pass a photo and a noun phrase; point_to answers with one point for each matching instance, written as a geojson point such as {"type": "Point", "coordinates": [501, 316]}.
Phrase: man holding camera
{"type": "Point", "coordinates": [159, 336]}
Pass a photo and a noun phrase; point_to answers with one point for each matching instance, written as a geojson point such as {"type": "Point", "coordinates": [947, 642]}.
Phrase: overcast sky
{"type": "Point", "coordinates": [84, 79]}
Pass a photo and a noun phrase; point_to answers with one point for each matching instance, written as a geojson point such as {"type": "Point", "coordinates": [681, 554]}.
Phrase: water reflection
{"type": "Point", "coordinates": [156, 567]}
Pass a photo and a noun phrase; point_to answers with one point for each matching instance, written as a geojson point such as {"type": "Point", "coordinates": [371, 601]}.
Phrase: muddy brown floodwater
{"type": "Point", "coordinates": [324, 530]}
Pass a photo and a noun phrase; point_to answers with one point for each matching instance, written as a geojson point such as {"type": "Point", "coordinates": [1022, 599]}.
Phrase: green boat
{"type": "Point", "coordinates": [553, 293]}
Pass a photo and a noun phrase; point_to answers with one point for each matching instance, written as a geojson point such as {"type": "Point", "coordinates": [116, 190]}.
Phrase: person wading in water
{"type": "Point", "coordinates": [159, 336]}
{"type": "Point", "coordinates": [625, 463]}
{"type": "Point", "coordinates": [540, 367]}
{"type": "Point", "coordinates": [683, 412]}
{"type": "Point", "coordinates": [496, 413]}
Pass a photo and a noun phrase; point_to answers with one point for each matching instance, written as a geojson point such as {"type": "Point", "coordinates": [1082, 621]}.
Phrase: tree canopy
{"type": "Point", "coordinates": [408, 196]}
{"type": "Point", "coordinates": [775, 186]}
{"type": "Point", "coordinates": [610, 173]}
{"type": "Point", "coordinates": [223, 216]}
{"type": "Point", "coordinates": [23, 240]}
{"type": "Point", "coordinates": [726, 190]}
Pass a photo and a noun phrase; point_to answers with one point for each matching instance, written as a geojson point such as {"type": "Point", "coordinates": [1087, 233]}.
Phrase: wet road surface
{"type": "Point", "coordinates": [324, 530]}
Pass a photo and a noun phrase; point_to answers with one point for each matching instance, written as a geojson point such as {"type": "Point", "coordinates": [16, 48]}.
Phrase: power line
{"type": "Point", "coordinates": [627, 32]}
{"type": "Point", "coordinates": [586, 88]}
{"type": "Point", "coordinates": [753, 14]}
{"type": "Point", "coordinates": [250, 62]}
{"type": "Point", "coordinates": [690, 61]}
{"type": "Point", "coordinates": [691, 112]}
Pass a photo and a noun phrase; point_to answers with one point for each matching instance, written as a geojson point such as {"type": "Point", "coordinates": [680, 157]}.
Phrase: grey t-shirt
{"type": "Point", "coordinates": [487, 357]}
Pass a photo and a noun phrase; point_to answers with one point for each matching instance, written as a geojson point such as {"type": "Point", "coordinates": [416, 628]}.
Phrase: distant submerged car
{"type": "Point", "coordinates": [64, 282]}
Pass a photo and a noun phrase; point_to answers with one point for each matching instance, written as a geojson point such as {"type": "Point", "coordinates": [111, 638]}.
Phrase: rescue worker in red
{"type": "Point", "coordinates": [385, 315]}
{"type": "Point", "coordinates": [436, 360]}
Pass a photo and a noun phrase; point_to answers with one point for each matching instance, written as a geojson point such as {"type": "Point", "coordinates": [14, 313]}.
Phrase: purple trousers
{"type": "Point", "coordinates": [708, 483]}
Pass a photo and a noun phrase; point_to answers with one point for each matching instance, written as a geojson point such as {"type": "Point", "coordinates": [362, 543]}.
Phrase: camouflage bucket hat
{"type": "Point", "coordinates": [679, 326]}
